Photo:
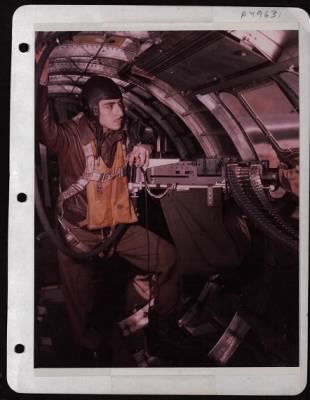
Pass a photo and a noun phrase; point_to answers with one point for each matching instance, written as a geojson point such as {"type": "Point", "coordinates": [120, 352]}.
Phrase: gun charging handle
{"type": "Point", "coordinates": [132, 188]}
{"type": "Point", "coordinates": [131, 176]}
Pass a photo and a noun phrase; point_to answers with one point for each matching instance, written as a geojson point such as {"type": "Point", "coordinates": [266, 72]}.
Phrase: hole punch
{"type": "Point", "coordinates": [23, 47]}
{"type": "Point", "coordinates": [21, 197]}
{"type": "Point", "coordinates": [19, 348]}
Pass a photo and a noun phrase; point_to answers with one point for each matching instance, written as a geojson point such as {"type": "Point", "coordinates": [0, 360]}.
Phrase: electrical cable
{"type": "Point", "coordinates": [148, 189]}
{"type": "Point", "coordinates": [158, 196]}
{"type": "Point", "coordinates": [146, 193]}
{"type": "Point", "coordinates": [88, 64]}
{"type": "Point", "coordinates": [102, 248]}
{"type": "Point", "coordinates": [146, 224]}
{"type": "Point", "coordinates": [190, 44]}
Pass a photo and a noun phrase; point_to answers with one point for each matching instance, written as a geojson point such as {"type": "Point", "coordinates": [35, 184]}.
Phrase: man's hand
{"type": "Point", "coordinates": [140, 155]}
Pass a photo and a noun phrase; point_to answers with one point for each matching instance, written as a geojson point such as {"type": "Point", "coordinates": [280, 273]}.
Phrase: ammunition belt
{"type": "Point", "coordinates": [248, 191]}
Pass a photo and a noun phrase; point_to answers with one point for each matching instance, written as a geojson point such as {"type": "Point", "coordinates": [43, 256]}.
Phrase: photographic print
{"type": "Point", "coordinates": [207, 265]}
{"type": "Point", "coordinates": [166, 208]}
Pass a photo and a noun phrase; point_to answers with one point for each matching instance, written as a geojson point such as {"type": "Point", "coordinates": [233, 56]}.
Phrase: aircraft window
{"type": "Point", "coordinates": [276, 112]}
{"type": "Point", "coordinates": [275, 102]}
{"type": "Point", "coordinates": [262, 147]}
{"type": "Point", "coordinates": [291, 79]}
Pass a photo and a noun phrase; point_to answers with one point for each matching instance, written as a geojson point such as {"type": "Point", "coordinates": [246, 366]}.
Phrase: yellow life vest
{"type": "Point", "coordinates": [108, 200]}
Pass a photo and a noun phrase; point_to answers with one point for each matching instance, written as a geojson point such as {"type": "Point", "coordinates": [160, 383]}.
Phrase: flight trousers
{"type": "Point", "coordinates": [145, 250]}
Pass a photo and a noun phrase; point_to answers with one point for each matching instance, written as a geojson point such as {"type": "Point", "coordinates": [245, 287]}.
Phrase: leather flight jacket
{"type": "Point", "coordinates": [94, 194]}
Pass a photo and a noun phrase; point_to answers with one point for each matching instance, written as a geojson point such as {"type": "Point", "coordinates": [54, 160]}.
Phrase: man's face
{"type": "Point", "coordinates": [111, 114]}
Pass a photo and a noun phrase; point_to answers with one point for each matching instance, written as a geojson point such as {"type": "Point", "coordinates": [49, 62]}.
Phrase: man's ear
{"type": "Point", "coordinates": [96, 111]}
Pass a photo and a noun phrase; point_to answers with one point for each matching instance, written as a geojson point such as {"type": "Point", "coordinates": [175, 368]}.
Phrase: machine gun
{"type": "Point", "coordinates": [248, 182]}
{"type": "Point", "coordinates": [201, 173]}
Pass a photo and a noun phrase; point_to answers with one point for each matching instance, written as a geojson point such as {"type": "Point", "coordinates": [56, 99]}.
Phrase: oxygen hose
{"type": "Point", "coordinates": [58, 242]}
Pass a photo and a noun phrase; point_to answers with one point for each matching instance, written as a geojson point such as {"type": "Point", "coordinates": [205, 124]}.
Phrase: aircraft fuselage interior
{"type": "Point", "coordinates": [220, 110]}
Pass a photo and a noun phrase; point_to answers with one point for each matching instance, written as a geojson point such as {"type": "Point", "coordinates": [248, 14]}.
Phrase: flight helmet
{"type": "Point", "coordinates": [95, 89]}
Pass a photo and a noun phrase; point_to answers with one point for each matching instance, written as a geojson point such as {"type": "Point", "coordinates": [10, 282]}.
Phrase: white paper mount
{"type": "Point", "coordinates": [21, 374]}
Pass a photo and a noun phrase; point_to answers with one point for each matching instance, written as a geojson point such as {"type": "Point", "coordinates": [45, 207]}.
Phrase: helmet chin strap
{"type": "Point", "coordinates": [99, 139]}
{"type": "Point", "coordinates": [99, 133]}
